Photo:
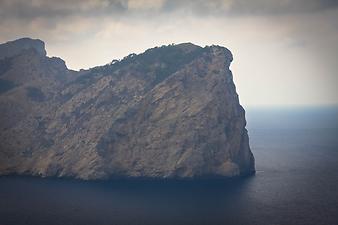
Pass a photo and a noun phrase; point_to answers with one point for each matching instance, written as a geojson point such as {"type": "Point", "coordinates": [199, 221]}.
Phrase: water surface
{"type": "Point", "coordinates": [296, 153]}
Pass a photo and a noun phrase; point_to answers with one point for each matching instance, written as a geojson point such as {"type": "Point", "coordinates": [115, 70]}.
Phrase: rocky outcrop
{"type": "Point", "coordinates": [16, 47]}
{"type": "Point", "coordinates": [170, 112]}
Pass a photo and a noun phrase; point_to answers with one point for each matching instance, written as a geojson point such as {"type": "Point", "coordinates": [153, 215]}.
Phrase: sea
{"type": "Point", "coordinates": [296, 183]}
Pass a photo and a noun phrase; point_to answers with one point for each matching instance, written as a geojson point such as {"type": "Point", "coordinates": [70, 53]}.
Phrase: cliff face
{"type": "Point", "coordinates": [170, 112]}
{"type": "Point", "coordinates": [16, 47]}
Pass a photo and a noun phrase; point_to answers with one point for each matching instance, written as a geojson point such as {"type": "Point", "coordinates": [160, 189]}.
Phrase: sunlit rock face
{"type": "Point", "coordinates": [170, 112]}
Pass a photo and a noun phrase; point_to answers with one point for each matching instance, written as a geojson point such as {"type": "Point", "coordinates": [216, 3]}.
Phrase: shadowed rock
{"type": "Point", "coordinates": [16, 47]}
{"type": "Point", "coordinates": [170, 112]}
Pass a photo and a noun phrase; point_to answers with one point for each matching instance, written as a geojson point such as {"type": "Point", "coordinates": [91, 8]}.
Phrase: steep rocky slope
{"type": "Point", "coordinates": [170, 112]}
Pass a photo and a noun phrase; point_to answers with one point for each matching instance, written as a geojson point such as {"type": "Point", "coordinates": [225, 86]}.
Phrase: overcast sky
{"type": "Point", "coordinates": [285, 51]}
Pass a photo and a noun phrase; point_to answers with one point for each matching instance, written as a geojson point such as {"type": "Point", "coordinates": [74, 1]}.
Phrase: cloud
{"type": "Point", "coordinates": [145, 4]}
{"type": "Point", "coordinates": [51, 9]}
{"type": "Point", "coordinates": [267, 7]}
{"type": "Point", "coordinates": [285, 47]}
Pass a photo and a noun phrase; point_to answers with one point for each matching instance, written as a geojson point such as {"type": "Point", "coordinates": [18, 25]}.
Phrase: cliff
{"type": "Point", "coordinates": [170, 112]}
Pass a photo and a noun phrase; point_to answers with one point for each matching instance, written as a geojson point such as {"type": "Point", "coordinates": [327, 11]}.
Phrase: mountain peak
{"type": "Point", "coordinates": [12, 48]}
{"type": "Point", "coordinates": [169, 112]}
{"type": "Point", "coordinates": [188, 46]}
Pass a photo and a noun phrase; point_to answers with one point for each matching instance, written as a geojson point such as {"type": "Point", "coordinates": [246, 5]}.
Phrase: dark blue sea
{"type": "Point", "coordinates": [296, 183]}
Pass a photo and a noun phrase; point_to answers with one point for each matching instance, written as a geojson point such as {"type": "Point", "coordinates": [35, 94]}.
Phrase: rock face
{"type": "Point", "coordinates": [170, 112]}
{"type": "Point", "coordinates": [16, 47]}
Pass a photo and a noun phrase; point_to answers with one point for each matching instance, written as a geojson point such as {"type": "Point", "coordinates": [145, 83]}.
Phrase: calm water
{"type": "Point", "coordinates": [296, 153]}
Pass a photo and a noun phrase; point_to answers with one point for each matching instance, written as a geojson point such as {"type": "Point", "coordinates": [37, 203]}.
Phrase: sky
{"type": "Point", "coordinates": [285, 51]}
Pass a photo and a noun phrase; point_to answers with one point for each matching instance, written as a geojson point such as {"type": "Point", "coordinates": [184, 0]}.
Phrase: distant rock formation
{"type": "Point", "coordinates": [170, 112]}
{"type": "Point", "coordinates": [13, 48]}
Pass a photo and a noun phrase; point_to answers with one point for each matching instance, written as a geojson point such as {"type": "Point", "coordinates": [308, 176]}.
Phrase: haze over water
{"type": "Point", "coordinates": [296, 151]}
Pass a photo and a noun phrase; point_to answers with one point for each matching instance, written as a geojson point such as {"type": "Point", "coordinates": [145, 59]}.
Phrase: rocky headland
{"type": "Point", "coordinates": [170, 112]}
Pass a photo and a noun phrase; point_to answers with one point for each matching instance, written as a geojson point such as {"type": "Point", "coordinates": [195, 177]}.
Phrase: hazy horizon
{"type": "Point", "coordinates": [285, 52]}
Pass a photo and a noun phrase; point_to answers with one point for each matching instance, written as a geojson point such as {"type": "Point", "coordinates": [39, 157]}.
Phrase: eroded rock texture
{"type": "Point", "coordinates": [170, 112]}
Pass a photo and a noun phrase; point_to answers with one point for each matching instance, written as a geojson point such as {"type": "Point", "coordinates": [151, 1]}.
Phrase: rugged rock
{"type": "Point", "coordinates": [170, 112]}
{"type": "Point", "coordinates": [16, 47]}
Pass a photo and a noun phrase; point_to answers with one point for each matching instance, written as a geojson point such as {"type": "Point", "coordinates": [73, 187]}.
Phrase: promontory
{"type": "Point", "coordinates": [170, 112]}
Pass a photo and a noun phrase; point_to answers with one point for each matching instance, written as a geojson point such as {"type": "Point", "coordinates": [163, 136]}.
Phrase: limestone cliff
{"type": "Point", "coordinates": [170, 112]}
